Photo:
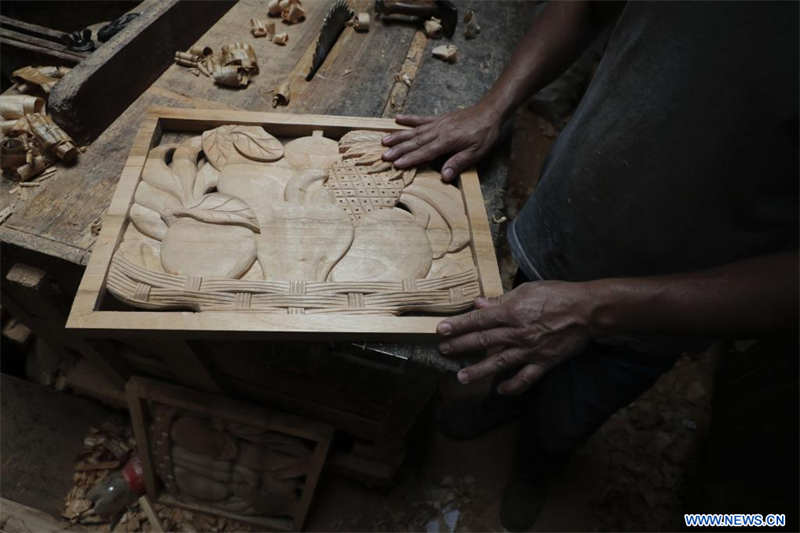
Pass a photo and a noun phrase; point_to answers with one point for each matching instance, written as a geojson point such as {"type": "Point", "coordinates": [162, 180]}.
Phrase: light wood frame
{"type": "Point", "coordinates": [86, 315]}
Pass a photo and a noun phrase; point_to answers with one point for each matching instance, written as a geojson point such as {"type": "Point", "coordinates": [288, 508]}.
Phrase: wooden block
{"type": "Point", "coordinates": [155, 523]}
{"type": "Point", "coordinates": [117, 72]}
{"type": "Point", "coordinates": [16, 332]}
{"type": "Point", "coordinates": [15, 517]}
{"type": "Point", "coordinates": [26, 276]}
{"type": "Point", "coordinates": [314, 236]}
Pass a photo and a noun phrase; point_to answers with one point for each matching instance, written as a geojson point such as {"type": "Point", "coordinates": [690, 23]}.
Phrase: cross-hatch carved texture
{"type": "Point", "coordinates": [360, 193]}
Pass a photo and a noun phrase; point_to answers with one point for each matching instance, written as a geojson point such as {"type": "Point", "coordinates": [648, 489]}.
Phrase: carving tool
{"type": "Point", "coordinates": [443, 10]}
{"type": "Point", "coordinates": [335, 21]}
{"type": "Point", "coordinates": [423, 355]}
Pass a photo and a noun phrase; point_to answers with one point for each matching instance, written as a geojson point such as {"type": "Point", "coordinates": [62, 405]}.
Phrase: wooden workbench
{"type": "Point", "coordinates": [51, 227]}
{"type": "Point", "coordinates": [358, 78]}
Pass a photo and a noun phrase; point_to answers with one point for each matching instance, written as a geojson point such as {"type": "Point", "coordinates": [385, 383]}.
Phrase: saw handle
{"type": "Point", "coordinates": [424, 9]}
{"type": "Point", "coordinates": [420, 8]}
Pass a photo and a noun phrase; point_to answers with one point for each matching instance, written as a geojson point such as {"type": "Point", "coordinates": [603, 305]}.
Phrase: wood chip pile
{"type": "Point", "coordinates": [105, 450]}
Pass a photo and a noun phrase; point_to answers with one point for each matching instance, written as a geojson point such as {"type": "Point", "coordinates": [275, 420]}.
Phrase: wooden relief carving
{"type": "Point", "coordinates": [231, 467]}
{"type": "Point", "coordinates": [236, 219]}
{"type": "Point", "coordinates": [212, 454]}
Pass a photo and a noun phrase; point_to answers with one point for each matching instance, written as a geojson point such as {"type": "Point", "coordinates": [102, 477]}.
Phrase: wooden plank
{"type": "Point", "coordinates": [15, 517]}
{"type": "Point", "coordinates": [69, 56]}
{"type": "Point", "coordinates": [406, 76]}
{"type": "Point", "coordinates": [45, 45]}
{"type": "Point", "coordinates": [221, 324]}
{"type": "Point", "coordinates": [280, 124]}
{"type": "Point", "coordinates": [315, 469]}
{"type": "Point", "coordinates": [44, 245]}
{"type": "Point", "coordinates": [120, 70]}
{"type": "Point", "coordinates": [155, 523]}
{"type": "Point", "coordinates": [33, 29]}
{"type": "Point", "coordinates": [482, 246]}
{"type": "Point", "coordinates": [137, 408]}
{"type": "Point", "coordinates": [358, 74]}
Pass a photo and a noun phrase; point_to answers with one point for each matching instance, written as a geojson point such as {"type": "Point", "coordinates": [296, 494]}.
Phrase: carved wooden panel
{"type": "Point", "coordinates": [292, 219]}
{"type": "Point", "coordinates": [208, 453]}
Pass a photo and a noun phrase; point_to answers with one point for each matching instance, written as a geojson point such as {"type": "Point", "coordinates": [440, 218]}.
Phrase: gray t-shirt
{"type": "Point", "coordinates": [682, 154]}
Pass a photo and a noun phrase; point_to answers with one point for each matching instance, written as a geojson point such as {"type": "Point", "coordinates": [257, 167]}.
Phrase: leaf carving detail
{"type": "Point", "coordinates": [219, 208]}
{"type": "Point", "coordinates": [227, 144]}
{"type": "Point", "coordinates": [262, 147]}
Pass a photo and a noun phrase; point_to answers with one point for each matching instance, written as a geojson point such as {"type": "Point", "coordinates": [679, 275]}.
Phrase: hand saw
{"type": "Point", "coordinates": [335, 21]}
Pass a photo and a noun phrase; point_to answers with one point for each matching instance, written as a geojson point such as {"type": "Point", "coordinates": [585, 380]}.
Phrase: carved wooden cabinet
{"type": "Point", "coordinates": [286, 225]}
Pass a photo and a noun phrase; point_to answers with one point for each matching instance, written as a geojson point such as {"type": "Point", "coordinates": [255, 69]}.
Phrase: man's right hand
{"type": "Point", "coordinates": [467, 134]}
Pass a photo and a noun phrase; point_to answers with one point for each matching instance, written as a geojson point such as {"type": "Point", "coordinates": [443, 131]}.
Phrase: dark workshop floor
{"type": "Point", "coordinates": [604, 487]}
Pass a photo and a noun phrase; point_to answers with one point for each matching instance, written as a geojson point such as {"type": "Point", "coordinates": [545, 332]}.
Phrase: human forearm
{"type": "Point", "coordinates": [557, 36]}
{"type": "Point", "coordinates": [743, 298]}
{"type": "Point", "coordinates": [537, 325]}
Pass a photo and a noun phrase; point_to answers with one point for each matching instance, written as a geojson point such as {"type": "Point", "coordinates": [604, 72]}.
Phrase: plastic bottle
{"type": "Point", "coordinates": [118, 490]}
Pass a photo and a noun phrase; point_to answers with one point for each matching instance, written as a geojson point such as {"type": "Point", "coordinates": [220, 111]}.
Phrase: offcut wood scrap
{"type": "Point", "coordinates": [232, 66]}
{"type": "Point", "coordinates": [97, 225]}
{"type": "Point", "coordinates": [281, 8]}
{"type": "Point", "coordinates": [32, 141]}
{"type": "Point", "coordinates": [433, 28]}
{"type": "Point", "coordinates": [360, 22]}
{"type": "Point", "coordinates": [31, 78]}
{"type": "Point", "coordinates": [16, 106]}
{"type": "Point", "coordinates": [281, 94]}
{"type": "Point", "coordinates": [446, 52]}
{"type": "Point", "coordinates": [293, 13]}
{"type": "Point", "coordinates": [6, 212]}
{"type": "Point", "coordinates": [37, 79]}
{"type": "Point", "coordinates": [262, 28]}
{"type": "Point", "coordinates": [471, 28]}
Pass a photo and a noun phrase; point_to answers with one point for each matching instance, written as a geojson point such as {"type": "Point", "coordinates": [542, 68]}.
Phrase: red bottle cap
{"type": "Point", "coordinates": [133, 472]}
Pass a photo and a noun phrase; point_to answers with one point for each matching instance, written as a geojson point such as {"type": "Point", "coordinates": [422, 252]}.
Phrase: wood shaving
{"type": "Point", "coordinates": [360, 22]}
{"type": "Point", "coordinates": [433, 28]}
{"type": "Point", "coordinates": [274, 8]}
{"type": "Point", "coordinates": [95, 228]}
{"type": "Point", "coordinates": [471, 29]}
{"type": "Point", "coordinates": [258, 27]}
{"type": "Point", "coordinates": [6, 212]}
{"type": "Point", "coordinates": [293, 14]}
{"type": "Point", "coordinates": [446, 52]}
{"type": "Point", "coordinates": [281, 95]}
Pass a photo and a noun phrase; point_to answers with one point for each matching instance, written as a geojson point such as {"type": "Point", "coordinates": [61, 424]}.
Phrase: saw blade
{"type": "Point", "coordinates": [335, 21]}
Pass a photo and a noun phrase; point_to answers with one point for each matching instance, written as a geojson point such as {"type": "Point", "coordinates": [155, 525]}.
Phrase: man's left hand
{"type": "Point", "coordinates": [533, 328]}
